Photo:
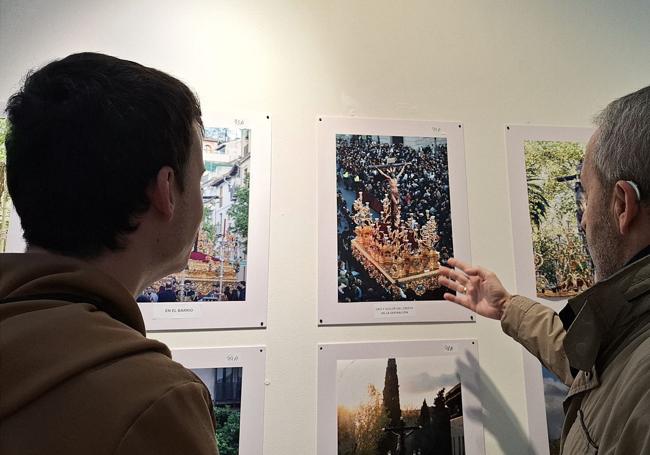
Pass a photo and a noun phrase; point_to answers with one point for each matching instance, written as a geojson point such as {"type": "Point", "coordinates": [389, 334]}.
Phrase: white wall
{"type": "Point", "coordinates": [482, 63]}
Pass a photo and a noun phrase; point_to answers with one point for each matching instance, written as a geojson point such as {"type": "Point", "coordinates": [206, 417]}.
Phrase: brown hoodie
{"type": "Point", "coordinates": [76, 379]}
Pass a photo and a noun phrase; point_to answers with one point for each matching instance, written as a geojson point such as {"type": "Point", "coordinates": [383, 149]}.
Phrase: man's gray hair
{"type": "Point", "coordinates": [622, 149]}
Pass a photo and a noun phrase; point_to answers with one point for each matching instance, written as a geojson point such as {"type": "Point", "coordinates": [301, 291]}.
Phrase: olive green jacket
{"type": "Point", "coordinates": [607, 409]}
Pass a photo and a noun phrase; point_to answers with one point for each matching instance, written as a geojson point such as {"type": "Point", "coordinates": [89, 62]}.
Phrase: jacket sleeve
{"type": "Point", "coordinates": [179, 422]}
{"type": "Point", "coordinates": [538, 329]}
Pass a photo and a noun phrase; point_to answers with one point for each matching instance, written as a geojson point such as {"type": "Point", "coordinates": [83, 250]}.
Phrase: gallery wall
{"type": "Point", "coordinates": [484, 64]}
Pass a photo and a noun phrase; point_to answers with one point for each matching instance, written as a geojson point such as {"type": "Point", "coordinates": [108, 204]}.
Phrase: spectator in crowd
{"type": "Point", "coordinates": [187, 293]}
{"type": "Point", "coordinates": [242, 290]}
{"type": "Point", "coordinates": [167, 294]}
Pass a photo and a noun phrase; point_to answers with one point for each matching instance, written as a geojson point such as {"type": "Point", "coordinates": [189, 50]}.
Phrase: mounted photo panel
{"type": "Point", "coordinates": [225, 281]}
{"type": "Point", "coordinates": [235, 377]}
{"type": "Point", "coordinates": [399, 397]}
{"type": "Point", "coordinates": [392, 210]}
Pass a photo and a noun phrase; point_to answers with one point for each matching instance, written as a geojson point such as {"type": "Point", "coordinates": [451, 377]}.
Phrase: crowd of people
{"type": "Point", "coordinates": [422, 176]}
{"type": "Point", "coordinates": [171, 290]}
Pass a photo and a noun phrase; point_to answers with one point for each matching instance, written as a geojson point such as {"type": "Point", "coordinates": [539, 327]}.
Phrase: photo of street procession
{"type": "Point", "coordinates": [5, 202]}
{"type": "Point", "coordinates": [399, 406]}
{"type": "Point", "coordinates": [394, 226]}
{"type": "Point", "coordinates": [216, 268]}
{"type": "Point", "coordinates": [555, 204]}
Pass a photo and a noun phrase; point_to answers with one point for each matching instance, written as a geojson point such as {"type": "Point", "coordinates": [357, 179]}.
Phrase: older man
{"type": "Point", "coordinates": [599, 344]}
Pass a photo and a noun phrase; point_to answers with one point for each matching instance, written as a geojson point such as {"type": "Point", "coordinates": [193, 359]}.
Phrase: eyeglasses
{"type": "Point", "coordinates": [580, 192]}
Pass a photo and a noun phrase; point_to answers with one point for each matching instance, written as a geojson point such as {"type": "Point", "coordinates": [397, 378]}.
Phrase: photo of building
{"type": "Point", "coordinates": [216, 269]}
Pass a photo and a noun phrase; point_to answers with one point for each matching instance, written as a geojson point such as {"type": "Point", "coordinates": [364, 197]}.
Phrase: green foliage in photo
{"type": "Point", "coordinates": [227, 429]}
{"type": "Point", "coordinates": [239, 209]}
{"type": "Point", "coordinates": [5, 203]}
{"type": "Point", "coordinates": [562, 263]}
{"type": "Point", "coordinates": [207, 225]}
{"type": "Point", "coordinates": [3, 135]}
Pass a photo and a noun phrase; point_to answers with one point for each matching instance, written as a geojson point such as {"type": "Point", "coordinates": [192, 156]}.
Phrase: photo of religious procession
{"type": "Point", "coordinates": [405, 406]}
{"type": "Point", "coordinates": [225, 386]}
{"type": "Point", "coordinates": [554, 394]}
{"type": "Point", "coordinates": [555, 202]}
{"type": "Point", "coordinates": [5, 202]}
{"type": "Point", "coordinates": [216, 269]}
{"type": "Point", "coordinates": [393, 217]}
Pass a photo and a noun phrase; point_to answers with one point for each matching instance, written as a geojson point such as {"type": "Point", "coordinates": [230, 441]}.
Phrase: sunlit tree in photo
{"type": "Point", "coordinates": [562, 264]}
{"type": "Point", "coordinates": [360, 430]}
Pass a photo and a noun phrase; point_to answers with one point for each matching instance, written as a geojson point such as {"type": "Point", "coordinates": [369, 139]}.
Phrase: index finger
{"type": "Point", "coordinates": [469, 269]}
{"type": "Point", "coordinates": [445, 271]}
{"type": "Point", "coordinates": [464, 266]}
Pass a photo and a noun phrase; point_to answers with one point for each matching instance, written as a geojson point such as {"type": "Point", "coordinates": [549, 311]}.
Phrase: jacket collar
{"type": "Point", "coordinates": [640, 255]}
{"type": "Point", "coordinates": [603, 308]}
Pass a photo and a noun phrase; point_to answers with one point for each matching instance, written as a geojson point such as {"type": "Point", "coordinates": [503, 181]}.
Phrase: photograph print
{"type": "Point", "coordinates": [394, 226]}
{"type": "Point", "coordinates": [563, 267]}
{"type": "Point", "coordinates": [217, 266]}
{"type": "Point", "coordinates": [555, 391]}
{"type": "Point", "coordinates": [5, 202]}
{"type": "Point", "coordinates": [399, 405]}
{"type": "Point", "coordinates": [407, 397]}
{"type": "Point", "coordinates": [225, 386]}
{"type": "Point", "coordinates": [235, 377]}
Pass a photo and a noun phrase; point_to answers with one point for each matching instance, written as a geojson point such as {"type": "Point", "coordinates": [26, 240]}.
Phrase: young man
{"type": "Point", "coordinates": [104, 161]}
{"type": "Point", "coordinates": [599, 344]}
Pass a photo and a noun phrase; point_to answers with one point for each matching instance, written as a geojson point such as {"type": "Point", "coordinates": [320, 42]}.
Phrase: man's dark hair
{"type": "Point", "coordinates": [87, 135]}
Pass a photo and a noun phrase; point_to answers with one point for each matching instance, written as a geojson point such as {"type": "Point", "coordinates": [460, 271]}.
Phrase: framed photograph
{"type": "Point", "coordinates": [11, 233]}
{"type": "Point", "coordinates": [5, 200]}
{"type": "Point", "coordinates": [392, 209]}
{"type": "Point", "coordinates": [399, 397]}
{"type": "Point", "coordinates": [11, 239]}
{"type": "Point", "coordinates": [551, 259]}
{"type": "Point", "coordinates": [225, 282]}
{"type": "Point", "coordinates": [235, 378]}
{"type": "Point", "coordinates": [545, 394]}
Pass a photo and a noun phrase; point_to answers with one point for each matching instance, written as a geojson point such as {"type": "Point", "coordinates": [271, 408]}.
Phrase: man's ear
{"type": "Point", "coordinates": [626, 206]}
{"type": "Point", "coordinates": [161, 193]}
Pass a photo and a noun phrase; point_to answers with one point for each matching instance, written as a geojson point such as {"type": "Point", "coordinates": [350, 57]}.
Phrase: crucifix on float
{"type": "Point", "coordinates": [402, 432]}
{"type": "Point", "coordinates": [392, 175]}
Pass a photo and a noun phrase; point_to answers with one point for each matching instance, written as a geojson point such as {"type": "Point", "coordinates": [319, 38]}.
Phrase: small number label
{"type": "Point", "coordinates": [232, 357]}
{"type": "Point", "coordinates": [239, 122]}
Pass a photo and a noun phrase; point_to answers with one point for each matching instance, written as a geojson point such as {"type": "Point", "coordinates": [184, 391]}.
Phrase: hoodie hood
{"type": "Point", "coordinates": [46, 339]}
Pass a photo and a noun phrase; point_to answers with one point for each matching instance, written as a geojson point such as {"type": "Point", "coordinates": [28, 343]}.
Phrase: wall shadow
{"type": "Point", "coordinates": [497, 416]}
